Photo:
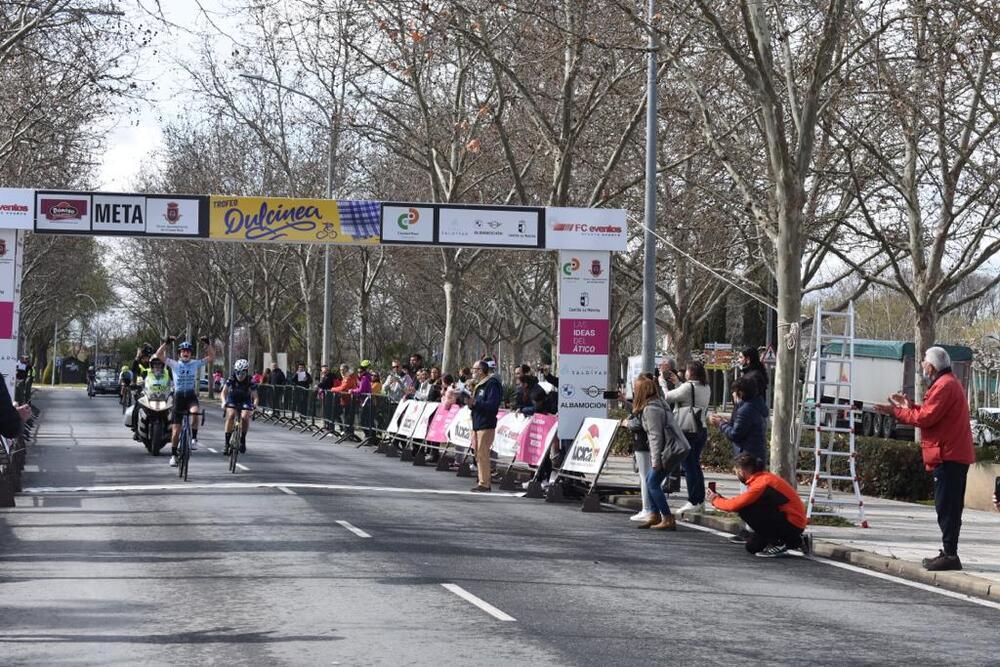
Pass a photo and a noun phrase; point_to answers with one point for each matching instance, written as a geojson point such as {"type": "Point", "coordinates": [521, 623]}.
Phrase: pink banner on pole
{"type": "Point", "coordinates": [6, 319]}
{"type": "Point", "coordinates": [535, 439]}
{"type": "Point", "coordinates": [438, 430]}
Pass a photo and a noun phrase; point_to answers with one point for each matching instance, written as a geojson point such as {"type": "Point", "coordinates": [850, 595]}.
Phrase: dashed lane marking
{"type": "Point", "coordinates": [286, 490]}
{"type": "Point", "coordinates": [354, 529]}
{"type": "Point", "coordinates": [479, 602]}
{"type": "Point", "coordinates": [213, 450]}
{"type": "Point", "coordinates": [242, 467]}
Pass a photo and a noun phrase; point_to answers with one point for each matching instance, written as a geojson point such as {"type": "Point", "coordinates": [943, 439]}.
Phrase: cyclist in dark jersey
{"type": "Point", "coordinates": [239, 395]}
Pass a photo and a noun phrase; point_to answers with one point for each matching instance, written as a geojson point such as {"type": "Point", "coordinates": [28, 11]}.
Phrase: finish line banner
{"type": "Point", "coordinates": [284, 220]}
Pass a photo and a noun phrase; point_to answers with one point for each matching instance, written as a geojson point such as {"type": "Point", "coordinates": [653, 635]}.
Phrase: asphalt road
{"type": "Point", "coordinates": [155, 571]}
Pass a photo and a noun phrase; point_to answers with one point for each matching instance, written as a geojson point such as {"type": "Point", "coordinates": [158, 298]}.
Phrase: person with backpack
{"type": "Point", "coordinates": [690, 401]}
{"type": "Point", "coordinates": [665, 443]}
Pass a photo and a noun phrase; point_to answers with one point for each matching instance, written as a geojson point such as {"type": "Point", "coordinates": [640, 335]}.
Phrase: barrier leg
{"type": "Point", "coordinates": [534, 490]}
{"type": "Point", "coordinates": [406, 452]}
{"type": "Point", "coordinates": [554, 494]}
{"type": "Point", "coordinates": [420, 458]}
{"type": "Point", "coordinates": [392, 451]}
{"type": "Point", "coordinates": [6, 492]}
{"type": "Point", "coordinates": [591, 502]}
{"type": "Point", "coordinates": [445, 461]}
{"type": "Point", "coordinates": [507, 483]}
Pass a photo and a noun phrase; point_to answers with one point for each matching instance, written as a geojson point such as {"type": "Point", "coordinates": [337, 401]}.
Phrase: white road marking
{"type": "Point", "coordinates": [286, 490]}
{"type": "Point", "coordinates": [871, 573]}
{"type": "Point", "coordinates": [479, 602]}
{"type": "Point", "coordinates": [242, 467]}
{"type": "Point", "coordinates": [47, 490]}
{"type": "Point", "coordinates": [30, 468]}
{"type": "Point", "coordinates": [213, 450]}
{"type": "Point", "coordinates": [354, 529]}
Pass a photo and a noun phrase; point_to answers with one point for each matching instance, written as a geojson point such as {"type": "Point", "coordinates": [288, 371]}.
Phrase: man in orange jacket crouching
{"type": "Point", "coordinates": [770, 507]}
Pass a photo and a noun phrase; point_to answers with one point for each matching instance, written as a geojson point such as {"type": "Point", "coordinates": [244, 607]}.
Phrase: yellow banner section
{"type": "Point", "coordinates": [287, 220]}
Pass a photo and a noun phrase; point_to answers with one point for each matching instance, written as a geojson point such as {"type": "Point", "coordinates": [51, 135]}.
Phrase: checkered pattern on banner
{"type": "Point", "coordinates": [360, 219]}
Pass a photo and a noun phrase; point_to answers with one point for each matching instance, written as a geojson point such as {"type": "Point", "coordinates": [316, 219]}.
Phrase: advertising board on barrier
{"type": "Point", "coordinates": [274, 219]}
{"type": "Point", "coordinates": [17, 208]}
{"type": "Point", "coordinates": [584, 332]}
{"type": "Point", "coordinates": [437, 431]}
{"type": "Point", "coordinates": [536, 438]}
{"type": "Point", "coordinates": [397, 415]}
{"type": "Point", "coordinates": [424, 423]}
{"type": "Point", "coordinates": [591, 446]}
{"type": "Point", "coordinates": [460, 429]}
{"type": "Point", "coordinates": [411, 416]}
{"type": "Point", "coordinates": [508, 432]}
{"type": "Point", "coordinates": [585, 229]}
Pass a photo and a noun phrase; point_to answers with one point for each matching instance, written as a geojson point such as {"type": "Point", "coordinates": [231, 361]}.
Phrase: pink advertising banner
{"type": "Point", "coordinates": [438, 429]}
{"type": "Point", "coordinates": [588, 337]}
{"type": "Point", "coordinates": [535, 439]}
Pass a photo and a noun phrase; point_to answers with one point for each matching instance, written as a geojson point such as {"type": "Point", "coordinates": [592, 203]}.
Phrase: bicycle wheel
{"type": "Point", "coordinates": [183, 451]}
{"type": "Point", "coordinates": [234, 444]}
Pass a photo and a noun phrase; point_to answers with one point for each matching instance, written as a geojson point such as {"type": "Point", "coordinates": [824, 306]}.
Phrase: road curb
{"type": "Point", "coordinates": [956, 582]}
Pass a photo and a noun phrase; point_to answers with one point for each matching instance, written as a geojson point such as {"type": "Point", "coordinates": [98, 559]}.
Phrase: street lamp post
{"type": "Point", "coordinates": [330, 160]}
{"type": "Point", "coordinates": [649, 241]}
{"type": "Point", "coordinates": [96, 307]}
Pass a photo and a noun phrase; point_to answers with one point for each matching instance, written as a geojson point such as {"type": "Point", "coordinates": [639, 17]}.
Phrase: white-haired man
{"type": "Point", "coordinates": [946, 445]}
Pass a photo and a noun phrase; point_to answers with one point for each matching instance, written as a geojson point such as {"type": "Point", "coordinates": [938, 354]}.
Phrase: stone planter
{"type": "Point", "coordinates": [980, 484]}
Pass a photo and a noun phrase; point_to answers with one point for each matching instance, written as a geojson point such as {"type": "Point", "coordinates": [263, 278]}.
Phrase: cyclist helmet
{"type": "Point", "coordinates": [186, 346]}
{"type": "Point", "coordinates": [124, 368]}
{"type": "Point", "coordinates": [90, 368]}
{"type": "Point", "coordinates": [241, 367]}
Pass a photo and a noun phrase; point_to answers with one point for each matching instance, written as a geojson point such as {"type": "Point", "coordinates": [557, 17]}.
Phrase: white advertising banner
{"type": "Point", "coordinates": [17, 208]}
{"type": "Point", "coordinates": [584, 330]}
{"type": "Point", "coordinates": [585, 229]}
{"type": "Point", "coordinates": [118, 214]}
{"type": "Point", "coordinates": [393, 426]}
{"type": "Point", "coordinates": [591, 446]}
{"type": "Point", "coordinates": [633, 371]}
{"type": "Point", "coordinates": [411, 416]}
{"type": "Point", "coordinates": [407, 224]}
{"type": "Point", "coordinates": [62, 212]}
{"type": "Point", "coordinates": [173, 216]}
{"type": "Point", "coordinates": [460, 430]}
{"type": "Point", "coordinates": [499, 227]}
{"type": "Point", "coordinates": [420, 430]}
{"type": "Point", "coordinates": [508, 434]}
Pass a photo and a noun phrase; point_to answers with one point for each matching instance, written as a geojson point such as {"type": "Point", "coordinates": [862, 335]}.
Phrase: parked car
{"type": "Point", "coordinates": [203, 384]}
{"type": "Point", "coordinates": [106, 381]}
{"type": "Point", "coordinates": [986, 426]}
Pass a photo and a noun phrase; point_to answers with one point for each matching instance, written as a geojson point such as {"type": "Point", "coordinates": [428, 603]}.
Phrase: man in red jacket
{"type": "Point", "coordinates": [946, 445]}
{"type": "Point", "coordinates": [769, 506]}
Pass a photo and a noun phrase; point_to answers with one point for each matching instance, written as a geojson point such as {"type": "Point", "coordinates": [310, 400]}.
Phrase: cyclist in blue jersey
{"type": "Point", "coordinates": [185, 371]}
{"type": "Point", "coordinates": [239, 395]}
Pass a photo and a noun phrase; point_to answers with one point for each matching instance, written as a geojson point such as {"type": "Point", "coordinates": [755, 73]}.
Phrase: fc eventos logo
{"type": "Point", "coordinates": [571, 267]}
{"type": "Point", "coordinates": [407, 220]}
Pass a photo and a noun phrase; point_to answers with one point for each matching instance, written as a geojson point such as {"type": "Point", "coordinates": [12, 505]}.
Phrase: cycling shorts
{"type": "Point", "coordinates": [239, 405]}
{"type": "Point", "coordinates": [182, 405]}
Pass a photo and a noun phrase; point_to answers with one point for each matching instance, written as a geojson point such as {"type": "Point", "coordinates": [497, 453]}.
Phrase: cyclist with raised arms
{"type": "Point", "coordinates": [239, 396]}
{"type": "Point", "coordinates": [185, 371]}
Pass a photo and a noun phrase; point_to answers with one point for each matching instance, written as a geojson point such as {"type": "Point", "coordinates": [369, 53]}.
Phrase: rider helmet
{"type": "Point", "coordinates": [124, 368]}
{"type": "Point", "coordinates": [156, 362]}
{"type": "Point", "coordinates": [186, 346]}
{"type": "Point", "coordinates": [90, 368]}
{"type": "Point", "coordinates": [240, 368]}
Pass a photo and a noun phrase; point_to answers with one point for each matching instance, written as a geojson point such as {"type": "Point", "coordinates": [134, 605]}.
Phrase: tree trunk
{"type": "Point", "coordinates": [363, 309]}
{"type": "Point", "coordinates": [783, 454]}
{"type": "Point", "coordinates": [923, 338]}
{"type": "Point", "coordinates": [451, 284]}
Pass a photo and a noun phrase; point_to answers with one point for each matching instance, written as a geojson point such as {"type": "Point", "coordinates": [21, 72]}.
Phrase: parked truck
{"type": "Point", "coordinates": [881, 368]}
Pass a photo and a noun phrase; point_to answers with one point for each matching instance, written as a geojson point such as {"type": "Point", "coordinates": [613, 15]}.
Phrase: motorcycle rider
{"type": "Point", "coordinates": [140, 365]}
{"type": "Point", "coordinates": [239, 395]}
{"type": "Point", "coordinates": [125, 378]}
{"type": "Point", "coordinates": [185, 371]}
{"type": "Point", "coordinates": [156, 381]}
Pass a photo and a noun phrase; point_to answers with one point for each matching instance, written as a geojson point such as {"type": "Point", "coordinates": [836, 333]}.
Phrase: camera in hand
{"type": "Point", "coordinates": [610, 395]}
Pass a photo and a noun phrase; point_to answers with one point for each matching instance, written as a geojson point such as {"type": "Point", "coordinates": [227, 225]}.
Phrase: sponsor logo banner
{"type": "Point", "coordinates": [118, 214]}
{"type": "Point", "coordinates": [508, 434]}
{"type": "Point", "coordinates": [408, 422]}
{"type": "Point", "coordinates": [62, 212]}
{"type": "Point", "coordinates": [424, 423]}
{"type": "Point", "coordinates": [585, 229]}
{"type": "Point", "coordinates": [582, 381]}
{"type": "Point", "coordinates": [17, 208]}
{"type": "Point", "coordinates": [438, 429]}
{"type": "Point", "coordinates": [536, 438]}
{"type": "Point", "coordinates": [591, 446]}
{"type": "Point", "coordinates": [401, 407]}
{"type": "Point", "coordinates": [285, 220]}
{"type": "Point", "coordinates": [173, 216]}
{"type": "Point", "coordinates": [583, 336]}
{"type": "Point", "coordinates": [407, 224]}
{"type": "Point", "coordinates": [460, 429]}
{"type": "Point", "coordinates": [584, 285]}
{"type": "Point", "coordinates": [493, 227]}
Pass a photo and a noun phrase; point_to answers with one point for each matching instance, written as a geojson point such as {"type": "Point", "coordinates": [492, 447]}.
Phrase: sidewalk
{"type": "Point", "coordinates": [899, 535]}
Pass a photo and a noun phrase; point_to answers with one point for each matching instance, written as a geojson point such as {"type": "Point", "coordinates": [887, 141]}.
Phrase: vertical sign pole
{"type": "Point", "coordinates": [649, 253]}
